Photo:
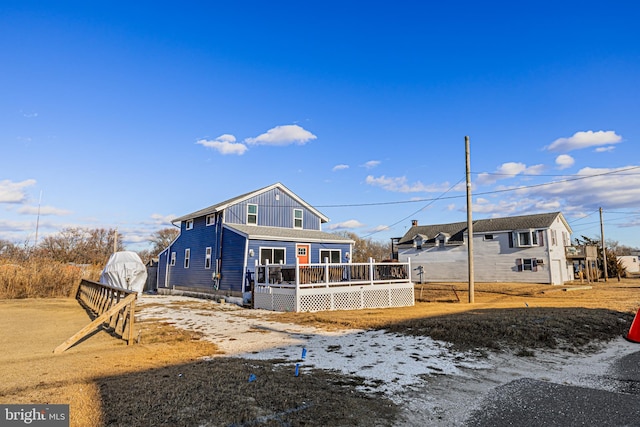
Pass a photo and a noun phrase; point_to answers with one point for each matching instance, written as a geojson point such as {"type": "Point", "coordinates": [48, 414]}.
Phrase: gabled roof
{"type": "Point", "coordinates": [458, 229]}
{"type": "Point", "coordinates": [428, 232]}
{"type": "Point", "coordinates": [219, 207]}
{"type": "Point", "coordinates": [291, 234]}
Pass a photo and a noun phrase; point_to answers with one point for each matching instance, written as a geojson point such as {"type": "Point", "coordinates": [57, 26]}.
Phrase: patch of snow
{"type": "Point", "coordinates": [434, 384]}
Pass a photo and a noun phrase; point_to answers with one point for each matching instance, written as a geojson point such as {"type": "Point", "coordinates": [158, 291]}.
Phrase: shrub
{"type": "Point", "coordinates": [40, 277]}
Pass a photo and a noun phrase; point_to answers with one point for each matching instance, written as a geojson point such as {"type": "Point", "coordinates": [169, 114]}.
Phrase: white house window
{"type": "Point", "coordinates": [173, 259]}
{"type": "Point", "coordinates": [554, 238]}
{"type": "Point", "coordinates": [297, 218]}
{"type": "Point", "coordinates": [189, 224]}
{"type": "Point", "coordinates": [187, 256]}
{"type": "Point", "coordinates": [207, 258]}
{"type": "Point", "coordinates": [417, 242]}
{"type": "Point", "coordinates": [529, 238]}
{"type": "Point", "coordinates": [333, 255]}
{"type": "Point", "coordinates": [527, 264]}
{"type": "Point", "coordinates": [211, 220]}
{"type": "Point", "coordinates": [252, 214]}
{"type": "Point", "coordinates": [274, 255]}
{"type": "Point", "coordinates": [488, 237]}
{"type": "Point", "coordinates": [524, 238]}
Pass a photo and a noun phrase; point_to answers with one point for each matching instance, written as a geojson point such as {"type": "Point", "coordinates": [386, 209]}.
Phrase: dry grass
{"type": "Point", "coordinates": [42, 278]}
{"type": "Point", "coordinates": [164, 381]}
{"type": "Point", "coordinates": [514, 316]}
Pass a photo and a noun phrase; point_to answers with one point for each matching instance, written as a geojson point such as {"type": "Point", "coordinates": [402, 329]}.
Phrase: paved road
{"type": "Point", "coordinates": [528, 402]}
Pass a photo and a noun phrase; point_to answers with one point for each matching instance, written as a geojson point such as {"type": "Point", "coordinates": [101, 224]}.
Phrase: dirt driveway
{"type": "Point", "coordinates": [374, 367]}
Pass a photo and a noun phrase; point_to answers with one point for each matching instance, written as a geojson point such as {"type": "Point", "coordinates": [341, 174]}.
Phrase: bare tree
{"type": "Point", "coordinates": [619, 249]}
{"type": "Point", "coordinates": [163, 238]}
{"type": "Point", "coordinates": [80, 245]}
{"type": "Point", "coordinates": [12, 251]}
{"type": "Point", "coordinates": [363, 249]}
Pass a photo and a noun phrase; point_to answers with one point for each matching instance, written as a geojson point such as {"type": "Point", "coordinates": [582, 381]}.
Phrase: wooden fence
{"type": "Point", "coordinates": [113, 308]}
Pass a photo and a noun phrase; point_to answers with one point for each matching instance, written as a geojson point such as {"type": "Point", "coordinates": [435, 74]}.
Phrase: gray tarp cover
{"type": "Point", "coordinates": [125, 270]}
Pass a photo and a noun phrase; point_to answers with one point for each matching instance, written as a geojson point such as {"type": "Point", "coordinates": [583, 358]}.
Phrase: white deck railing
{"type": "Point", "coordinates": [347, 286]}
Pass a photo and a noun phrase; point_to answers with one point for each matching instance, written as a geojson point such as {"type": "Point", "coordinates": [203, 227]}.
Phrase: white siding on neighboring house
{"type": "Point", "coordinates": [631, 263]}
{"type": "Point", "coordinates": [529, 255]}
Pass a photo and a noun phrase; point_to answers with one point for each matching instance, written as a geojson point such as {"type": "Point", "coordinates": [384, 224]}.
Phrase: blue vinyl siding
{"type": "Point", "coordinates": [229, 248]}
{"type": "Point", "coordinates": [290, 250]}
{"type": "Point", "coordinates": [317, 247]}
{"type": "Point", "coordinates": [232, 274]}
{"type": "Point", "coordinates": [162, 268]}
{"type": "Point", "coordinates": [197, 240]}
{"type": "Point", "coordinates": [272, 212]}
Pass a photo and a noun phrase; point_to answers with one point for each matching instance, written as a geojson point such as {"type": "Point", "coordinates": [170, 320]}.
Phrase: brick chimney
{"type": "Point", "coordinates": [414, 222]}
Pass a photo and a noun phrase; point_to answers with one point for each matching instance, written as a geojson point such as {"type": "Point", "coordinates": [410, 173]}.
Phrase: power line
{"type": "Point", "coordinates": [505, 190]}
{"type": "Point", "coordinates": [388, 227]}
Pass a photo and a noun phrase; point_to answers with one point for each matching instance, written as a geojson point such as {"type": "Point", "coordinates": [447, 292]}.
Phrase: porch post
{"type": "Point", "coordinates": [326, 272]}
{"type": "Point", "coordinates": [371, 271]}
{"type": "Point", "coordinates": [297, 286]}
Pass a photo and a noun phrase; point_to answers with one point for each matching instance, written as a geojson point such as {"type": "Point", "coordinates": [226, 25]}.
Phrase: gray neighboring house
{"type": "Point", "coordinates": [526, 248]}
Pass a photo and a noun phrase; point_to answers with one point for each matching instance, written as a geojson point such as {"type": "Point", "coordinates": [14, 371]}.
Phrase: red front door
{"type": "Point", "coordinates": [302, 252]}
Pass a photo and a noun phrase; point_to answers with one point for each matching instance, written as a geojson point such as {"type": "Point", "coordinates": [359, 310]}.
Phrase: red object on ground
{"type": "Point", "coordinates": [634, 331]}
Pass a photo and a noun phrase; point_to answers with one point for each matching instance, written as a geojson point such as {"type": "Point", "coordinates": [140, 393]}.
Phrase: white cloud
{"type": "Point", "coordinates": [162, 219]}
{"type": "Point", "coordinates": [399, 184]}
{"type": "Point", "coordinates": [380, 227]}
{"type": "Point", "coordinates": [43, 210]}
{"type": "Point", "coordinates": [605, 149]}
{"type": "Point", "coordinates": [29, 115]}
{"type": "Point", "coordinates": [586, 139]}
{"type": "Point", "coordinates": [224, 144]}
{"type": "Point", "coordinates": [508, 170]}
{"type": "Point", "coordinates": [13, 192]}
{"type": "Point", "coordinates": [283, 135]}
{"type": "Point", "coordinates": [564, 161]}
{"type": "Point", "coordinates": [598, 188]}
{"type": "Point", "coordinates": [345, 225]}
{"type": "Point", "coordinates": [340, 167]}
{"type": "Point", "coordinates": [371, 164]}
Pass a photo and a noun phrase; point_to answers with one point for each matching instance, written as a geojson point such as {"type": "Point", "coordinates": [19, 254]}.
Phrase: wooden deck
{"type": "Point", "coordinates": [320, 287]}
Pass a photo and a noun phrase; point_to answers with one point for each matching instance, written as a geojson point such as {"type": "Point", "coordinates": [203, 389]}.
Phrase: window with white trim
{"type": "Point", "coordinates": [252, 214]}
{"type": "Point", "coordinates": [189, 224]}
{"type": "Point", "coordinates": [528, 238]}
{"type": "Point", "coordinates": [333, 255]}
{"type": "Point", "coordinates": [207, 258]}
{"type": "Point", "coordinates": [297, 218]}
{"type": "Point", "coordinates": [274, 255]}
{"type": "Point", "coordinates": [187, 257]}
{"type": "Point", "coordinates": [173, 259]}
{"type": "Point", "coordinates": [527, 264]}
{"type": "Point", "coordinates": [554, 238]}
{"type": "Point", "coordinates": [211, 219]}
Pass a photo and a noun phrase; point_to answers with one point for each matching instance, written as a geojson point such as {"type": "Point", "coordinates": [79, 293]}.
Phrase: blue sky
{"type": "Point", "coordinates": [128, 114]}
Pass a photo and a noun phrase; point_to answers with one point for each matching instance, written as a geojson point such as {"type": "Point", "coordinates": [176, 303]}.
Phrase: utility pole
{"type": "Point", "coordinates": [38, 220]}
{"type": "Point", "coordinates": [604, 251]}
{"type": "Point", "coordinates": [115, 241]}
{"type": "Point", "coordinates": [469, 220]}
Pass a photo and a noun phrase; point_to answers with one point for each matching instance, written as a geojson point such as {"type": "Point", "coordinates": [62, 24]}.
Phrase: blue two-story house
{"type": "Point", "coordinates": [218, 246]}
